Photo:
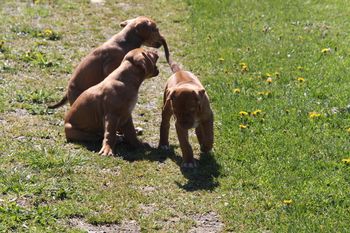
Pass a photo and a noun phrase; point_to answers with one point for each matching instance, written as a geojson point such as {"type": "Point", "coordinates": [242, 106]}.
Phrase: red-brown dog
{"type": "Point", "coordinates": [186, 99]}
{"type": "Point", "coordinates": [102, 110]}
{"type": "Point", "coordinates": [103, 60]}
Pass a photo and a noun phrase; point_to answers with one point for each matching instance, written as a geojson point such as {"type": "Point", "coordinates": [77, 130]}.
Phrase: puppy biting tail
{"type": "Point", "coordinates": [59, 104]}
{"type": "Point", "coordinates": [173, 66]}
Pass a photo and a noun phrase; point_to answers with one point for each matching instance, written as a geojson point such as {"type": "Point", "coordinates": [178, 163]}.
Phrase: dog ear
{"type": "Point", "coordinates": [171, 94]}
{"type": "Point", "coordinates": [199, 96]}
{"type": "Point", "coordinates": [201, 93]}
{"type": "Point", "coordinates": [140, 61]}
{"type": "Point", "coordinates": [124, 23]}
{"type": "Point", "coordinates": [143, 28]}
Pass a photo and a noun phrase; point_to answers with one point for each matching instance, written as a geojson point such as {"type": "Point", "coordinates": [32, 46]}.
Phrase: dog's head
{"type": "Point", "coordinates": [186, 103]}
{"type": "Point", "coordinates": [146, 29]}
{"type": "Point", "coordinates": [144, 60]}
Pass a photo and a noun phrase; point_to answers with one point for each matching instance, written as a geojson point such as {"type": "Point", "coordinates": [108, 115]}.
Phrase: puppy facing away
{"type": "Point", "coordinates": [185, 99]}
{"type": "Point", "coordinates": [102, 110]}
{"type": "Point", "coordinates": [104, 59]}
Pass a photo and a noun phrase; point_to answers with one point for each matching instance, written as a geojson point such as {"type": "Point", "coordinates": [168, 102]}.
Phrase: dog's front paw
{"type": "Point", "coordinates": [145, 145]}
{"type": "Point", "coordinates": [106, 151]}
{"type": "Point", "coordinates": [206, 150]}
{"type": "Point", "coordinates": [189, 165]}
{"type": "Point", "coordinates": [164, 147]}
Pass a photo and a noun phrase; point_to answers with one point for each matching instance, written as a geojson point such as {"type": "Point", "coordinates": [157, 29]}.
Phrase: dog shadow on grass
{"type": "Point", "coordinates": [203, 177]}
{"type": "Point", "coordinates": [125, 151]}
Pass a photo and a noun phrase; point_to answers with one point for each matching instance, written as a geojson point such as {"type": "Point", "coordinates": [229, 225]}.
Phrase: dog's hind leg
{"type": "Point", "coordinates": [74, 134]}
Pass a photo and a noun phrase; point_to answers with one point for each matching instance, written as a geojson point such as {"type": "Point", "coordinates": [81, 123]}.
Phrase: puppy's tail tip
{"type": "Point", "coordinates": [59, 104]}
{"type": "Point", "coordinates": [174, 67]}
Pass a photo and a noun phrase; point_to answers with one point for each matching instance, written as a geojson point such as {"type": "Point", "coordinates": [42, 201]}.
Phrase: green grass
{"type": "Point", "coordinates": [283, 154]}
{"type": "Point", "coordinates": [282, 173]}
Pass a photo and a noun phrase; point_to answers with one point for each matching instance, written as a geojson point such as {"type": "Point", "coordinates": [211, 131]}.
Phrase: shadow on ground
{"type": "Point", "coordinates": [201, 178]}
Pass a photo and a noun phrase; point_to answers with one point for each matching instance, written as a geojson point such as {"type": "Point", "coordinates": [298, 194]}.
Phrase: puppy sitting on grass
{"type": "Point", "coordinates": [186, 99]}
{"type": "Point", "coordinates": [106, 58]}
{"type": "Point", "coordinates": [102, 110]}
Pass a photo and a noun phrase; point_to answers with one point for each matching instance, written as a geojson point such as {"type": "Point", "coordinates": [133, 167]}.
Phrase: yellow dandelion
{"type": "Point", "coordinates": [300, 79]}
{"type": "Point", "coordinates": [48, 32]}
{"type": "Point", "coordinates": [243, 113]}
{"type": "Point", "coordinates": [269, 80]}
{"type": "Point", "coordinates": [347, 161]}
{"type": "Point", "coordinates": [256, 112]}
{"type": "Point", "coordinates": [242, 126]}
{"type": "Point", "coordinates": [300, 68]}
{"type": "Point", "coordinates": [268, 75]}
{"type": "Point", "coordinates": [326, 50]}
{"type": "Point", "coordinates": [236, 90]}
{"type": "Point", "coordinates": [221, 59]}
{"type": "Point", "coordinates": [244, 67]}
{"type": "Point", "coordinates": [313, 115]}
{"type": "Point", "coordinates": [265, 93]}
{"type": "Point", "coordinates": [288, 202]}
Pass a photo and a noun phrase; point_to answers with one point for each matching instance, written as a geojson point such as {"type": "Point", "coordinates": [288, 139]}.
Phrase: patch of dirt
{"type": "Point", "coordinates": [207, 223]}
{"type": "Point", "coordinates": [148, 209]}
{"type": "Point", "coordinates": [126, 226]}
{"type": "Point", "coordinates": [97, 1]}
{"type": "Point", "coordinates": [148, 189]}
{"type": "Point", "coordinates": [127, 6]}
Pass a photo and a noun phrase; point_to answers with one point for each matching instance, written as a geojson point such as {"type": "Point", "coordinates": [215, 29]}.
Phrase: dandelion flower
{"type": "Point", "coordinates": [242, 126]}
{"type": "Point", "coordinates": [256, 112]}
{"type": "Point", "coordinates": [347, 161]}
{"type": "Point", "coordinates": [326, 50]}
{"type": "Point", "coordinates": [48, 32]}
{"type": "Point", "coordinates": [265, 93]}
{"type": "Point", "coordinates": [269, 80]}
{"type": "Point", "coordinates": [300, 79]}
{"type": "Point", "coordinates": [236, 90]}
{"type": "Point", "coordinates": [268, 75]}
{"type": "Point", "coordinates": [244, 67]}
{"type": "Point", "coordinates": [313, 115]}
{"type": "Point", "coordinates": [221, 59]}
{"type": "Point", "coordinates": [243, 113]}
{"type": "Point", "coordinates": [288, 202]}
{"type": "Point", "coordinates": [300, 68]}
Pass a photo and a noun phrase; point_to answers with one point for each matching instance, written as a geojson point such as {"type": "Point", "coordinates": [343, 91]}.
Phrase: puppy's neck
{"type": "Point", "coordinates": [130, 75]}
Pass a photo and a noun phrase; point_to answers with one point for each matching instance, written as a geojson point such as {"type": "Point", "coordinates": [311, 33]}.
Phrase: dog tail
{"type": "Point", "coordinates": [173, 66]}
{"type": "Point", "coordinates": [59, 104]}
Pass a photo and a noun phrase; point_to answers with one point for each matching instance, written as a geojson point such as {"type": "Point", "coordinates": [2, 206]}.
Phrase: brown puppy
{"type": "Point", "coordinates": [102, 110]}
{"type": "Point", "coordinates": [103, 60]}
{"type": "Point", "coordinates": [185, 98]}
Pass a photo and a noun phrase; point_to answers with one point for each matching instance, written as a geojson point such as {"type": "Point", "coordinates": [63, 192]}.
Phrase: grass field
{"type": "Point", "coordinates": [277, 76]}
